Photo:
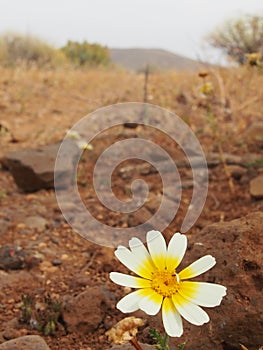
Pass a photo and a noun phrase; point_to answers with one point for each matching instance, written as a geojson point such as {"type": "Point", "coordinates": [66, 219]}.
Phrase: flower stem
{"type": "Point", "coordinates": [135, 343]}
{"type": "Point", "coordinates": [165, 341]}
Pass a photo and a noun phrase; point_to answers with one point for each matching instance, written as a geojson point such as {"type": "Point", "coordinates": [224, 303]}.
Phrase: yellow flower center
{"type": "Point", "coordinates": [165, 283]}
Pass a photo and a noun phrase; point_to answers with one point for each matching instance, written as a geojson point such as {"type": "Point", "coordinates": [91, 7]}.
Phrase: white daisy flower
{"type": "Point", "coordinates": [160, 286]}
{"type": "Point", "coordinates": [73, 134]}
{"type": "Point", "coordinates": [84, 145]}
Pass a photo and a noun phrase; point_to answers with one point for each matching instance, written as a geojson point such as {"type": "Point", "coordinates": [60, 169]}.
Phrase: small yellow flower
{"type": "Point", "coordinates": [254, 59]}
{"type": "Point", "coordinates": [73, 134]}
{"type": "Point", "coordinates": [206, 89]}
{"type": "Point", "coordinates": [160, 286]}
{"type": "Point", "coordinates": [84, 145]}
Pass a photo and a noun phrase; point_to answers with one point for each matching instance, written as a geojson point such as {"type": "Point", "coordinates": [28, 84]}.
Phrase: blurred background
{"type": "Point", "coordinates": [180, 27]}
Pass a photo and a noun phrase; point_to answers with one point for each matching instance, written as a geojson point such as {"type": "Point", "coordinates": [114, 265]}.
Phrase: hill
{"type": "Point", "coordinates": [137, 59]}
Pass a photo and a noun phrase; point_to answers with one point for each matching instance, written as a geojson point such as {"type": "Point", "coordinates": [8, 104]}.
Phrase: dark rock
{"type": "Point", "coordinates": [236, 171]}
{"type": "Point", "coordinates": [28, 342]}
{"type": "Point", "coordinates": [85, 312]}
{"type": "Point", "coordinates": [256, 187]}
{"type": "Point", "coordinates": [56, 262]}
{"type": "Point", "coordinates": [130, 125]}
{"type": "Point", "coordinates": [11, 257]}
{"type": "Point", "coordinates": [15, 258]}
{"type": "Point", "coordinates": [33, 169]}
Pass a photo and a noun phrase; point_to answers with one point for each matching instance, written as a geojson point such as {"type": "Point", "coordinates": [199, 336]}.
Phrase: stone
{"type": "Point", "coordinates": [130, 125]}
{"type": "Point", "coordinates": [236, 171]}
{"type": "Point", "coordinates": [237, 247]}
{"type": "Point", "coordinates": [28, 342]}
{"type": "Point", "coordinates": [256, 187]}
{"type": "Point", "coordinates": [15, 281]}
{"type": "Point", "coordinates": [36, 222]}
{"type": "Point", "coordinates": [10, 333]}
{"type": "Point", "coordinates": [56, 262]}
{"type": "Point", "coordinates": [16, 258]}
{"type": "Point", "coordinates": [85, 312]}
{"type": "Point", "coordinates": [33, 169]}
{"type": "Point", "coordinates": [11, 257]}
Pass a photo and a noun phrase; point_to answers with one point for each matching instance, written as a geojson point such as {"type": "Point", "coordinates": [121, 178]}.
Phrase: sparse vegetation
{"type": "Point", "coordinates": [41, 313]}
{"type": "Point", "coordinates": [30, 50]}
{"type": "Point", "coordinates": [161, 340]}
{"type": "Point", "coordinates": [83, 54]}
{"type": "Point", "coordinates": [240, 37]}
{"type": "Point", "coordinates": [16, 49]}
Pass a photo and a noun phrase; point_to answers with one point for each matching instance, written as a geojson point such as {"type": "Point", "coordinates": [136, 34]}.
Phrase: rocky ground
{"type": "Point", "coordinates": [67, 277]}
{"type": "Point", "coordinates": [55, 289]}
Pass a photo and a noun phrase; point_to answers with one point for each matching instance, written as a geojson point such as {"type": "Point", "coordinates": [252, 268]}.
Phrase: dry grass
{"type": "Point", "coordinates": [38, 105]}
{"type": "Point", "coordinates": [16, 48]}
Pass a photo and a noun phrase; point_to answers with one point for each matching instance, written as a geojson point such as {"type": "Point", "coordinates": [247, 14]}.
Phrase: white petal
{"type": "Point", "coordinates": [191, 312]}
{"type": "Point", "coordinates": [126, 258]}
{"type": "Point", "coordinates": [133, 263]}
{"type": "Point", "coordinates": [138, 247]}
{"type": "Point", "coordinates": [157, 248]}
{"type": "Point", "coordinates": [151, 303]}
{"type": "Point", "coordinates": [130, 302]}
{"type": "Point", "coordinates": [198, 267]}
{"type": "Point", "coordinates": [176, 250]}
{"type": "Point", "coordinates": [129, 281]}
{"type": "Point", "coordinates": [141, 254]}
{"type": "Point", "coordinates": [172, 320]}
{"type": "Point", "coordinates": [203, 294]}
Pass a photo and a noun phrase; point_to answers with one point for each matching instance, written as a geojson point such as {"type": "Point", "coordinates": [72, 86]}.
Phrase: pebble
{"type": "Point", "coordinates": [10, 333]}
{"type": "Point", "coordinates": [42, 245]}
{"type": "Point", "coordinates": [64, 257]}
{"type": "Point", "coordinates": [56, 262]}
{"type": "Point", "coordinates": [256, 187]}
{"type": "Point", "coordinates": [36, 222]}
{"type": "Point", "coordinates": [28, 342]}
{"type": "Point", "coordinates": [46, 266]}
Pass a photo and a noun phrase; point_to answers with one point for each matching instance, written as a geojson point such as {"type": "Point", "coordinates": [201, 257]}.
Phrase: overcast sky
{"type": "Point", "coordinates": [175, 25]}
